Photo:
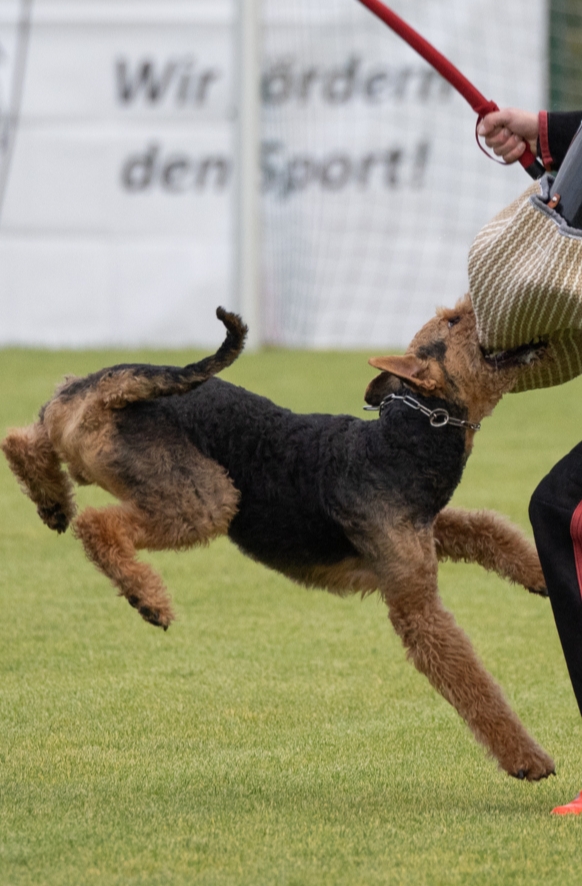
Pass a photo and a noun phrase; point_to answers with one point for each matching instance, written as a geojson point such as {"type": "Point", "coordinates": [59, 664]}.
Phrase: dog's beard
{"type": "Point", "coordinates": [381, 386]}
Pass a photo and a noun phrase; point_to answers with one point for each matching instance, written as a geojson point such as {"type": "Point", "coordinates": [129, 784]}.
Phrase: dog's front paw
{"type": "Point", "coordinates": [160, 618]}
{"type": "Point", "coordinates": [534, 767]}
{"type": "Point", "coordinates": [54, 517]}
{"type": "Point", "coordinates": [531, 577]}
{"type": "Point", "coordinates": [155, 617]}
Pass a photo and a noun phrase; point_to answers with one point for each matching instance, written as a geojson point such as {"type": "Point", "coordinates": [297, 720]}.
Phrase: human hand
{"type": "Point", "coordinates": [508, 131]}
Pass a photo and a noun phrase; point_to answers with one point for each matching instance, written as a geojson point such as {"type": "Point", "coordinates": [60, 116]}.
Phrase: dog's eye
{"type": "Point", "coordinates": [453, 321]}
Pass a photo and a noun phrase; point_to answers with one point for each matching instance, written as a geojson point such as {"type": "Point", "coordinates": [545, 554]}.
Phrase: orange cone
{"type": "Point", "coordinates": [573, 808]}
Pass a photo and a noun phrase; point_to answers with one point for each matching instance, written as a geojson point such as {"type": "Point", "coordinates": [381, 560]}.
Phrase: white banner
{"type": "Point", "coordinates": [116, 224]}
{"type": "Point", "coordinates": [117, 152]}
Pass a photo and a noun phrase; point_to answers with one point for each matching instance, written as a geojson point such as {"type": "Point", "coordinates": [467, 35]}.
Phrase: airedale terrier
{"type": "Point", "coordinates": [331, 501]}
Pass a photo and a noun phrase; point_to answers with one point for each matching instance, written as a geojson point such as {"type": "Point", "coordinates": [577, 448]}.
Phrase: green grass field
{"type": "Point", "coordinates": [273, 735]}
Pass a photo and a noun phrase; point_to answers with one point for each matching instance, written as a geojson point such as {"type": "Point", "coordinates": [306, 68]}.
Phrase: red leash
{"type": "Point", "coordinates": [451, 74]}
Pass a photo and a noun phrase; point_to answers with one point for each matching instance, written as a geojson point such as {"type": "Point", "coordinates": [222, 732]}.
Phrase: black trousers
{"type": "Point", "coordinates": [555, 512]}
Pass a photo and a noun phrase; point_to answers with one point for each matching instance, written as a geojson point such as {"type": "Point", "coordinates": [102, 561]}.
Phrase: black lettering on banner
{"type": "Point", "coordinates": [138, 170]}
{"type": "Point", "coordinates": [177, 81]}
{"type": "Point", "coordinates": [145, 80]}
{"type": "Point", "coordinates": [205, 81]}
{"type": "Point", "coordinates": [421, 156]}
{"type": "Point", "coordinates": [287, 178]}
{"type": "Point", "coordinates": [392, 162]}
{"type": "Point", "coordinates": [402, 82]}
{"type": "Point", "coordinates": [300, 172]}
{"type": "Point", "coordinates": [219, 166]}
{"type": "Point", "coordinates": [284, 81]}
{"type": "Point", "coordinates": [181, 82]}
{"type": "Point", "coordinates": [175, 174]}
{"type": "Point", "coordinates": [376, 86]}
{"type": "Point", "coordinates": [336, 172]}
{"type": "Point", "coordinates": [408, 83]}
{"type": "Point", "coordinates": [184, 86]}
{"type": "Point", "coordinates": [340, 85]}
{"type": "Point", "coordinates": [283, 174]}
{"type": "Point", "coordinates": [277, 83]}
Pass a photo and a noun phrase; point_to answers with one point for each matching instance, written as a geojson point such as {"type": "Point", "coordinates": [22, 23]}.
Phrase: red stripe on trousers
{"type": "Point", "coordinates": [576, 534]}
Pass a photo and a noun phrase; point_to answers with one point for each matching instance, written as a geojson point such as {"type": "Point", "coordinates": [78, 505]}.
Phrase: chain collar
{"type": "Point", "coordinates": [438, 418]}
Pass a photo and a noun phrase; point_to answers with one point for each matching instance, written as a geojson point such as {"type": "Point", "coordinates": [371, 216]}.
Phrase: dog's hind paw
{"type": "Point", "coordinates": [54, 517]}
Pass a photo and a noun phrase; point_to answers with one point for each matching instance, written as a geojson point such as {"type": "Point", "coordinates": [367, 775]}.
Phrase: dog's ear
{"type": "Point", "coordinates": [408, 368]}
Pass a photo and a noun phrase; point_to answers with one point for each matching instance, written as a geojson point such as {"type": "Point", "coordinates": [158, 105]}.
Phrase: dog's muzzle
{"type": "Point", "coordinates": [519, 356]}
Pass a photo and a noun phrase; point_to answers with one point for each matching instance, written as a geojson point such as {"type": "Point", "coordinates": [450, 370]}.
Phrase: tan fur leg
{"type": "Point", "coordinates": [171, 514]}
{"type": "Point", "coordinates": [487, 538]}
{"type": "Point", "coordinates": [111, 537]}
{"type": "Point", "coordinates": [441, 650]}
{"type": "Point", "coordinates": [36, 465]}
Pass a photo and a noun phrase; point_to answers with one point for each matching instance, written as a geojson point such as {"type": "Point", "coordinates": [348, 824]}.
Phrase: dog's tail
{"type": "Point", "coordinates": [127, 383]}
{"type": "Point", "coordinates": [236, 333]}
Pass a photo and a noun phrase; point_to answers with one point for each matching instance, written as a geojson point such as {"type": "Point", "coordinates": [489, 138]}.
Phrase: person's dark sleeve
{"type": "Point", "coordinates": [556, 131]}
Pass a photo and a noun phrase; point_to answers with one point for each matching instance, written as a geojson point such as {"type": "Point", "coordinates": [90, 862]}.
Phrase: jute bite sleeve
{"type": "Point", "coordinates": [525, 282]}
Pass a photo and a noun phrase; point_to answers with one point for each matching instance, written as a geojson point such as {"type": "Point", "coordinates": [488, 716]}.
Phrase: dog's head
{"type": "Point", "coordinates": [445, 360]}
